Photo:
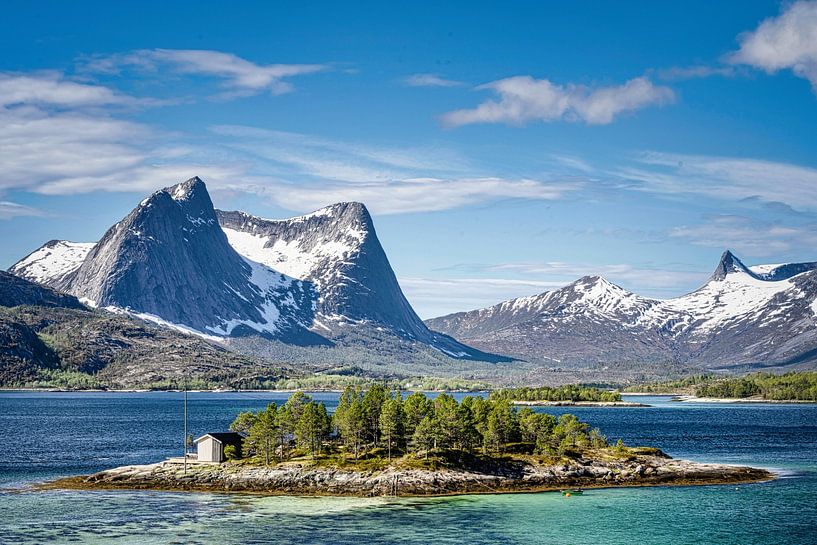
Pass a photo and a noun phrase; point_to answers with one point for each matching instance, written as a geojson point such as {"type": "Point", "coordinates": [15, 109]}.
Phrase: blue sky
{"type": "Point", "coordinates": [503, 148]}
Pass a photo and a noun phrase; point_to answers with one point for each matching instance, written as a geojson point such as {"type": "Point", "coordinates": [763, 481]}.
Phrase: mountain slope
{"type": "Point", "coordinates": [169, 260]}
{"type": "Point", "coordinates": [741, 316]}
{"type": "Point", "coordinates": [16, 291]}
{"type": "Point", "coordinates": [317, 279]}
{"type": "Point", "coordinates": [336, 249]}
{"type": "Point", "coordinates": [45, 334]}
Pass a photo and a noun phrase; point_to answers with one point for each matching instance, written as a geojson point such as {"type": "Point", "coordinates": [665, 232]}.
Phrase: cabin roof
{"type": "Point", "coordinates": [224, 438]}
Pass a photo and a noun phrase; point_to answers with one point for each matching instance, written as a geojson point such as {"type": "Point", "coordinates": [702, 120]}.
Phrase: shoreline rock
{"type": "Point", "coordinates": [507, 476]}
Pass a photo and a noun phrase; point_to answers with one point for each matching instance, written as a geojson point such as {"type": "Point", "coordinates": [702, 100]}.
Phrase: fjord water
{"type": "Point", "coordinates": [48, 435]}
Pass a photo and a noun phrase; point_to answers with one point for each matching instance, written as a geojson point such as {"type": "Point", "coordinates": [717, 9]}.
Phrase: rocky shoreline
{"type": "Point", "coordinates": [506, 476]}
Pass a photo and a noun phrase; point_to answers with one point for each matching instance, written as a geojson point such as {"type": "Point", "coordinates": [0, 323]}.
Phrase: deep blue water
{"type": "Point", "coordinates": [55, 434]}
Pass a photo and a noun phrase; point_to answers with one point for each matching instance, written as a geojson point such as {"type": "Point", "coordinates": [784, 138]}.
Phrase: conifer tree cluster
{"type": "Point", "coordinates": [382, 422]}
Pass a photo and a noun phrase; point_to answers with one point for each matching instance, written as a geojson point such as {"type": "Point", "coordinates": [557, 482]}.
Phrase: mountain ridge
{"type": "Point", "coordinates": [740, 316]}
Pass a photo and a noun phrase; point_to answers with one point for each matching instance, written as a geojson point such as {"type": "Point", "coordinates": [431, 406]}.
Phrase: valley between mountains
{"type": "Point", "coordinates": [178, 286]}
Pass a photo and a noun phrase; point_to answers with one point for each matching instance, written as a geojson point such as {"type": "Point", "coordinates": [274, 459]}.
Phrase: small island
{"type": "Point", "coordinates": [379, 444]}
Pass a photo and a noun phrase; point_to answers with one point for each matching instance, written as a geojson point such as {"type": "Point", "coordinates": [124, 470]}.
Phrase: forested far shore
{"type": "Point", "coordinates": [569, 392]}
{"type": "Point", "coordinates": [379, 424]}
{"type": "Point", "coordinates": [792, 386]}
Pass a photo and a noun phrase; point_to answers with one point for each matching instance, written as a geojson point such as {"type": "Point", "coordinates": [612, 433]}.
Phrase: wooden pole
{"type": "Point", "coordinates": [184, 382]}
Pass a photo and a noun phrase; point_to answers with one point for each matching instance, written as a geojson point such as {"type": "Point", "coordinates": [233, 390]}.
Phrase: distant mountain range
{"type": "Point", "coordinates": [743, 317]}
{"type": "Point", "coordinates": [321, 279]}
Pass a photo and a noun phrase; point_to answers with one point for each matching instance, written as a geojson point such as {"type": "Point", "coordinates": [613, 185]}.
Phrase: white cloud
{"type": "Point", "coordinates": [241, 77]}
{"type": "Point", "coordinates": [407, 195]}
{"type": "Point", "coordinates": [59, 136]}
{"type": "Point", "coordinates": [643, 279]}
{"type": "Point", "coordinates": [693, 72]}
{"type": "Point", "coordinates": [729, 178]}
{"type": "Point", "coordinates": [9, 210]}
{"type": "Point", "coordinates": [523, 99]}
{"type": "Point", "coordinates": [749, 236]}
{"type": "Point", "coordinates": [302, 172]}
{"type": "Point", "coordinates": [788, 41]}
{"type": "Point", "coordinates": [430, 80]}
{"type": "Point", "coordinates": [53, 89]}
{"type": "Point", "coordinates": [432, 297]}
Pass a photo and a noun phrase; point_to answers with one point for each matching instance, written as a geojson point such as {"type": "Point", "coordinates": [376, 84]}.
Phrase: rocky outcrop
{"type": "Point", "coordinates": [499, 477]}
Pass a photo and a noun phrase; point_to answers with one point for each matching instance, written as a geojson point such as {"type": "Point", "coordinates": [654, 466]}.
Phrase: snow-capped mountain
{"type": "Point", "coordinates": [177, 261]}
{"type": "Point", "coordinates": [742, 316]}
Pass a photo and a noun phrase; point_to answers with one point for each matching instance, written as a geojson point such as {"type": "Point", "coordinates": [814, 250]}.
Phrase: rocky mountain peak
{"type": "Point", "coordinates": [728, 264]}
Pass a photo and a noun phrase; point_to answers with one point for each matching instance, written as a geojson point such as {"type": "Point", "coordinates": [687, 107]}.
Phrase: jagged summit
{"type": "Point", "coordinates": [187, 190]}
{"type": "Point", "coordinates": [729, 263]}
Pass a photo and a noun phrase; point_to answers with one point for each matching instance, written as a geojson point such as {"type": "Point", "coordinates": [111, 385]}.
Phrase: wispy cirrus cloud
{"type": "Point", "coordinates": [730, 178]}
{"type": "Point", "coordinates": [52, 88]}
{"type": "Point", "coordinates": [58, 136]}
{"type": "Point", "coordinates": [785, 42]}
{"type": "Point", "coordinates": [430, 80]}
{"type": "Point", "coordinates": [523, 99]}
{"type": "Point", "coordinates": [9, 210]}
{"type": "Point", "coordinates": [479, 285]}
{"type": "Point", "coordinates": [677, 73]}
{"type": "Point", "coordinates": [433, 297]}
{"type": "Point", "coordinates": [302, 172]}
{"type": "Point", "coordinates": [240, 77]}
{"type": "Point", "coordinates": [749, 235]}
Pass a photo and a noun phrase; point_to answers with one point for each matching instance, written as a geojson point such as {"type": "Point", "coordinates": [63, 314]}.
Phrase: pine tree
{"type": "Point", "coordinates": [373, 401]}
{"type": "Point", "coordinates": [313, 427]}
{"type": "Point", "coordinates": [425, 435]}
{"type": "Point", "coordinates": [391, 422]}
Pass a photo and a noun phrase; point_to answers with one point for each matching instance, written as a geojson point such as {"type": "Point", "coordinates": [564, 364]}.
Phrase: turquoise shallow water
{"type": "Point", "coordinates": [62, 434]}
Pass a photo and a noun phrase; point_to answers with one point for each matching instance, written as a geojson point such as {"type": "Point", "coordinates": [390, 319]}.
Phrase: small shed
{"type": "Point", "coordinates": [210, 446]}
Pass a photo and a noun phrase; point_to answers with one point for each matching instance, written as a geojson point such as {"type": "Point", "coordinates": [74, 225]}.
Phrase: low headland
{"type": "Point", "coordinates": [379, 444]}
{"type": "Point", "coordinates": [791, 387]}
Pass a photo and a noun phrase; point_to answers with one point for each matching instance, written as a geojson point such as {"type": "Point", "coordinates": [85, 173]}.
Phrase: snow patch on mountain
{"type": "Point", "coordinates": [289, 256]}
{"type": "Point", "coordinates": [720, 301]}
{"type": "Point", "coordinates": [53, 261]}
{"type": "Point", "coordinates": [152, 318]}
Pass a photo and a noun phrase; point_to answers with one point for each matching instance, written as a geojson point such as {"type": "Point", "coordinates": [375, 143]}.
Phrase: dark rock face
{"type": "Point", "coordinates": [742, 318]}
{"type": "Point", "coordinates": [15, 291]}
{"type": "Point", "coordinates": [730, 264]}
